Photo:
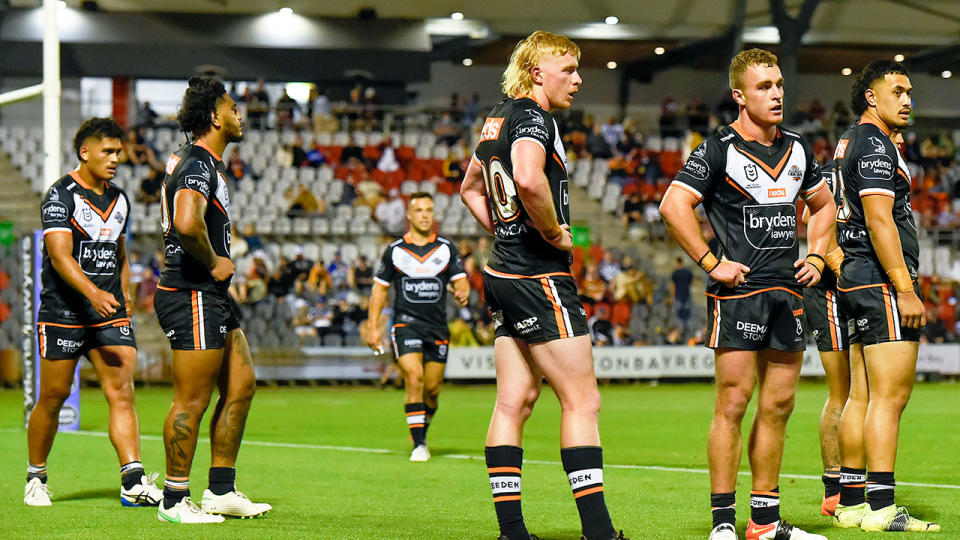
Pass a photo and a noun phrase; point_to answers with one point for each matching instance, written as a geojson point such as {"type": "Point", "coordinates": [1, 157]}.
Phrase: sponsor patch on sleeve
{"type": "Point", "coordinates": [54, 212]}
{"type": "Point", "coordinates": [197, 183]}
{"type": "Point", "coordinates": [696, 168]}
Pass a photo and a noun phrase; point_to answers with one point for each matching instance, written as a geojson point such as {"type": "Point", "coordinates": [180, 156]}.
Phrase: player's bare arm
{"type": "Point", "coordinates": [878, 212]}
{"type": "Point", "coordinates": [378, 297]}
{"type": "Point", "coordinates": [189, 209]}
{"type": "Point", "coordinates": [60, 247]}
{"type": "Point", "coordinates": [461, 291]}
{"type": "Point", "coordinates": [473, 193]}
{"type": "Point", "coordinates": [124, 264]}
{"type": "Point", "coordinates": [677, 211]}
{"type": "Point", "coordinates": [533, 189]}
{"type": "Point", "coordinates": [821, 230]}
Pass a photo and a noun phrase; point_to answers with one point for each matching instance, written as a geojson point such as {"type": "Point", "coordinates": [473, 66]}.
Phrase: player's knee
{"type": "Point", "coordinates": [194, 401]}
{"type": "Point", "coordinates": [732, 402]}
{"type": "Point", "coordinates": [119, 395]}
{"type": "Point", "coordinates": [777, 408]}
{"type": "Point", "coordinates": [53, 396]}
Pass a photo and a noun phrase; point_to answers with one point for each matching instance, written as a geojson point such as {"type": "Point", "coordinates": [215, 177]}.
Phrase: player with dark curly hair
{"type": "Point", "coordinates": [197, 314]}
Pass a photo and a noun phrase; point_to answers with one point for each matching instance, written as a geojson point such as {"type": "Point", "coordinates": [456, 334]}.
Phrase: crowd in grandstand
{"type": "Point", "coordinates": [627, 302]}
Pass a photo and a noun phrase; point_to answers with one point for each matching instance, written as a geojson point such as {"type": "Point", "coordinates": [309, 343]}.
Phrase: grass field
{"type": "Point", "coordinates": [333, 462]}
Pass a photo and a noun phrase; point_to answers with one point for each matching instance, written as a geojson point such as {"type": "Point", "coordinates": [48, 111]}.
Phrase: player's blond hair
{"type": "Point", "coordinates": [747, 58]}
{"type": "Point", "coordinates": [517, 79]}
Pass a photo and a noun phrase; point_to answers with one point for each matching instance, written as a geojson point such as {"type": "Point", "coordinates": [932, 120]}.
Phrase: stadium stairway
{"type": "Point", "coordinates": [19, 203]}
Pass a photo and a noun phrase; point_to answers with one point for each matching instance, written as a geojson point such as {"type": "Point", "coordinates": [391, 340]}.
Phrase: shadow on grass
{"type": "Point", "coordinates": [89, 494]}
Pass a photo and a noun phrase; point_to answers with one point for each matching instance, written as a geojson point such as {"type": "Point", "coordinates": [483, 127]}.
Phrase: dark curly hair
{"type": "Point", "coordinates": [99, 129]}
{"type": "Point", "coordinates": [873, 72]}
{"type": "Point", "coordinates": [199, 101]}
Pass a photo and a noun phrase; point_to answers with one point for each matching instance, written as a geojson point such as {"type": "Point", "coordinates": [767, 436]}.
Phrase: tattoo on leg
{"type": "Point", "coordinates": [241, 348]}
{"type": "Point", "coordinates": [233, 420]}
{"type": "Point", "coordinates": [176, 456]}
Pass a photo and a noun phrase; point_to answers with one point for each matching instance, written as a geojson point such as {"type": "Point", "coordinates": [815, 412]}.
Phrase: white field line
{"type": "Point", "coordinates": [364, 450]}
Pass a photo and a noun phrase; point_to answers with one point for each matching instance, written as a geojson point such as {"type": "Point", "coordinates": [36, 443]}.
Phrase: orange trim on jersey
{"type": "Point", "coordinates": [685, 188]}
{"type": "Point", "coordinates": [816, 189]}
{"type": "Point", "coordinates": [104, 214]}
{"type": "Point", "coordinates": [162, 288]}
{"type": "Point", "coordinates": [206, 147]}
{"type": "Point", "coordinates": [503, 498]}
{"type": "Point", "coordinates": [399, 325]}
{"type": "Point", "coordinates": [774, 172]}
{"type": "Point", "coordinates": [76, 178]}
{"type": "Point", "coordinates": [79, 228]}
{"type": "Point", "coordinates": [495, 470]}
{"type": "Point", "coordinates": [421, 258]}
{"type": "Point", "coordinates": [60, 230]}
{"type": "Point", "coordinates": [190, 189]}
{"type": "Point", "coordinates": [409, 239]}
{"type": "Point", "coordinates": [534, 98]}
{"type": "Point", "coordinates": [196, 319]}
{"type": "Point", "coordinates": [888, 307]}
{"type": "Point", "coordinates": [738, 127]}
{"type": "Point", "coordinates": [556, 157]}
{"type": "Point", "coordinates": [415, 413]}
{"type": "Point", "coordinates": [858, 287]}
{"type": "Point", "coordinates": [903, 174]}
{"type": "Point", "coordinates": [122, 321]}
{"type": "Point", "coordinates": [220, 206]}
{"type": "Point", "coordinates": [43, 339]}
{"type": "Point", "coordinates": [864, 120]}
{"type": "Point", "coordinates": [716, 323]}
{"type": "Point", "coordinates": [738, 188]}
{"type": "Point", "coordinates": [557, 313]}
{"type": "Point", "coordinates": [505, 275]}
{"type": "Point", "coordinates": [586, 492]}
{"type": "Point", "coordinates": [833, 323]}
{"type": "Point", "coordinates": [768, 289]}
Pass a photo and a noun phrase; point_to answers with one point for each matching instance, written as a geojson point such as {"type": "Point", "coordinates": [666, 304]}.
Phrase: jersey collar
{"type": "Point", "coordinates": [206, 147]}
{"type": "Point", "coordinates": [408, 238]}
{"type": "Point", "coordinates": [746, 137]}
{"type": "Point", "coordinates": [864, 120]}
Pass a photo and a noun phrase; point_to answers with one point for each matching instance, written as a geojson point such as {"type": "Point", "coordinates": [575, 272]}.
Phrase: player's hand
{"type": "Point", "coordinates": [374, 338]}
{"type": "Point", "coordinates": [564, 241]}
{"type": "Point", "coordinates": [730, 273]}
{"type": "Point", "coordinates": [223, 269]}
{"type": "Point", "coordinates": [104, 303]}
{"type": "Point", "coordinates": [461, 298]}
{"type": "Point", "coordinates": [912, 313]}
{"type": "Point", "coordinates": [807, 274]}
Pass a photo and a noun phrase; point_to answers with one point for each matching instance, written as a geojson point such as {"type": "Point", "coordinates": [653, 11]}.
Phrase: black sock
{"type": "Point", "coordinates": [880, 488]}
{"type": "Point", "coordinates": [222, 480]}
{"type": "Point", "coordinates": [584, 468]}
{"type": "Point", "coordinates": [427, 418]}
{"type": "Point", "coordinates": [831, 482]}
{"type": "Point", "coordinates": [131, 474]}
{"type": "Point", "coordinates": [852, 484]}
{"type": "Point", "coordinates": [37, 471]}
{"type": "Point", "coordinates": [765, 506]}
{"type": "Point", "coordinates": [724, 508]}
{"type": "Point", "coordinates": [416, 422]}
{"type": "Point", "coordinates": [503, 466]}
{"type": "Point", "coordinates": [174, 491]}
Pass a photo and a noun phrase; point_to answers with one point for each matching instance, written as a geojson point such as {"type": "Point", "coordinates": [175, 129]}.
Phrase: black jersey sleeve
{"type": "Point", "coordinates": [455, 269]}
{"type": "Point", "coordinates": [126, 217]}
{"type": "Point", "coordinates": [875, 164]}
{"type": "Point", "coordinates": [56, 210]}
{"type": "Point", "coordinates": [198, 176]}
{"type": "Point", "coordinates": [530, 123]}
{"type": "Point", "coordinates": [813, 181]}
{"type": "Point", "coordinates": [703, 169]}
{"type": "Point", "coordinates": [385, 270]}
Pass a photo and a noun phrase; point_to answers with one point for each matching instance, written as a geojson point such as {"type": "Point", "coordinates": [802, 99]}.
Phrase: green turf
{"type": "Point", "coordinates": [331, 493]}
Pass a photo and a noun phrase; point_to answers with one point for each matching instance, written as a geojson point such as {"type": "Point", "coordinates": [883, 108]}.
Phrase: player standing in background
{"type": "Point", "coordinates": [83, 310]}
{"type": "Point", "coordinates": [878, 285]}
{"type": "Point", "coordinates": [199, 317]}
{"type": "Point", "coordinates": [828, 324]}
{"type": "Point", "coordinates": [419, 267]}
{"type": "Point", "coordinates": [749, 176]}
{"type": "Point", "coordinates": [516, 188]}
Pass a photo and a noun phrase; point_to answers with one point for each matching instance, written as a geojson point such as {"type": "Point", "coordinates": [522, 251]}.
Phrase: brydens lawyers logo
{"type": "Point", "coordinates": [491, 129]}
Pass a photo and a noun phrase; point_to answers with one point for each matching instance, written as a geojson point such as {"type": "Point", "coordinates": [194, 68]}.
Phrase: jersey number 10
{"type": "Point", "coordinates": [501, 189]}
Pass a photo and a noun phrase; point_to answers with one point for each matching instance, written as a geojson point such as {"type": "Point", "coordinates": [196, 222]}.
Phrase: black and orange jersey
{"type": "Point", "coordinates": [868, 163]}
{"type": "Point", "coordinates": [97, 223]}
{"type": "Point", "coordinates": [197, 168]}
{"type": "Point", "coordinates": [519, 249]}
{"type": "Point", "coordinates": [829, 280]}
{"type": "Point", "coordinates": [749, 192]}
{"type": "Point", "coordinates": [419, 275]}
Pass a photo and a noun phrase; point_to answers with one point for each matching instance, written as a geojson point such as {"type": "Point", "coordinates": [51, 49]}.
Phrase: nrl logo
{"type": "Point", "coordinates": [795, 173]}
{"type": "Point", "coordinates": [751, 171]}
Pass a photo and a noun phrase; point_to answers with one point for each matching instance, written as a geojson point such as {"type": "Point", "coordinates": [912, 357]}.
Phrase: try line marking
{"type": "Point", "coordinates": [359, 449]}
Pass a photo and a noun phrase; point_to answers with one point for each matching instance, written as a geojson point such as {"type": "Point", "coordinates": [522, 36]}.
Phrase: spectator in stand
{"type": "Point", "coordinates": [612, 132]}
{"type": "Point", "coordinates": [301, 318]}
{"type": "Point", "coordinates": [369, 192]}
{"type": "Point", "coordinates": [361, 276]}
{"type": "Point", "coordinates": [446, 130]}
{"type": "Point", "coordinates": [297, 266]}
{"type": "Point", "coordinates": [318, 281]}
{"type": "Point", "coordinates": [680, 281]}
{"type": "Point", "coordinates": [593, 289]}
{"type": "Point", "coordinates": [727, 109]}
{"type": "Point", "coordinates": [339, 272]}
{"type": "Point", "coordinates": [911, 148]}
{"type": "Point", "coordinates": [137, 152]}
{"type": "Point", "coordinates": [319, 111]}
{"type": "Point", "coordinates": [934, 331]}
{"type": "Point", "coordinates": [669, 120]}
{"type": "Point", "coordinates": [388, 159]}
{"type": "Point", "coordinates": [482, 253]}
{"type": "Point", "coordinates": [146, 116]}
{"type": "Point", "coordinates": [150, 187]}
{"type": "Point", "coordinates": [351, 152]}
{"type": "Point", "coordinates": [626, 286]}
{"type": "Point", "coordinates": [136, 278]}
{"type": "Point", "coordinates": [698, 115]}
{"type": "Point", "coordinates": [596, 145]}
{"type": "Point", "coordinates": [258, 106]}
{"type": "Point", "coordinates": [299, 154]}
{"type": "Point", "coordinates": [633, 208]}
{"type": "Point", "coordinates": [237, 169]}
{"type": "Point", "coordinates": [249, 233]}
{"type": "Point", "coordinates": [315, 156]}
{"type": "Point", "coordinates": [601, 330]}
{"type": "Point", "coordinates": [841, 118]}
{"type": "Point", "coordinates": [283, 157]}
{"type": "Point", "coordinates": [306, 204]}
{"type": "Point", "coordinates": [392, 214]}
{"type": "Point", "coordinates": [609, 267]}
{"type": "Point", "coordinates": [254, 288]}
{"type": "Point", "coordinates": [371, 108]}
{"type": "Point", "coordinates": [287, 111]}
{"type": "Point", "coordinates": [472, 110]}
{"type": "Point", "coordinates": [321, 317]}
